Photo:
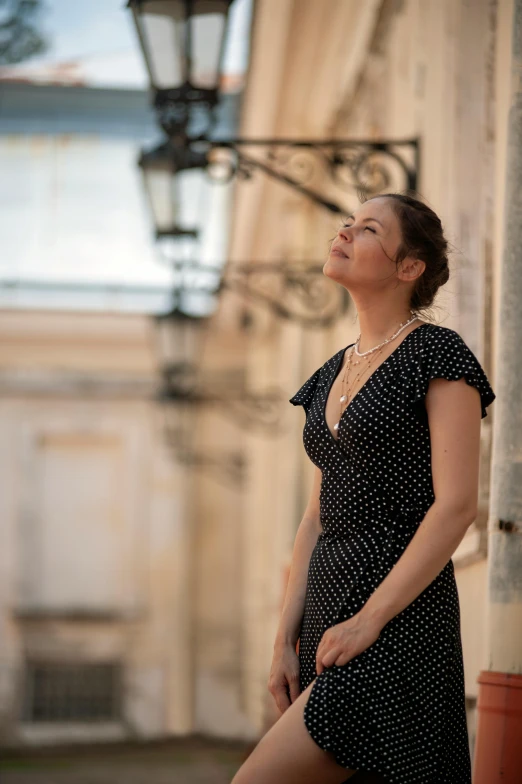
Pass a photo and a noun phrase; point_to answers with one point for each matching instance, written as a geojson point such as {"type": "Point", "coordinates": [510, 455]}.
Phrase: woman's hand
{"type": "Point", "coordinates": [283, 682]}
{"type": "Point", "coordinates": [346, 640]}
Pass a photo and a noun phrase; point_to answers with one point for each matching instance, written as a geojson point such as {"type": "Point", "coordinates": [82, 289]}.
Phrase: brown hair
{"type": "Point", "coordinates": [422, 238]}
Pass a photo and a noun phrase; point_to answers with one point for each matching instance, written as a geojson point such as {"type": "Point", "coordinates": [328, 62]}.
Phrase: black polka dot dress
{"type": "Point", "coordinates": [398, 708]}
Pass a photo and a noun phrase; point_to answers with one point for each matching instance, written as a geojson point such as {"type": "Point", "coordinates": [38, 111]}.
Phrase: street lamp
{"type": "Point", "coordinates": [180, 343]}
{"type": "Point", "coordinates": [180, 337]}
{"type": "Point", "coordinates": [183, 44]}
{"type": "Point", "coordinates": [166, 170]}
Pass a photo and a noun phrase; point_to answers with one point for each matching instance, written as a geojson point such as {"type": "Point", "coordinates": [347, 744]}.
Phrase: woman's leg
{"type": "Point", "coordinates": [287, 754]}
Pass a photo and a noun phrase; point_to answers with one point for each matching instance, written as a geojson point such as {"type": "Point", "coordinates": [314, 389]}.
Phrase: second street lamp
{"type": "Point", "coordinates": [163, 170]}
{"type": "Point", "coordinates": [180, 338]}
{"type": "Point", "coordinates": [180, 342]}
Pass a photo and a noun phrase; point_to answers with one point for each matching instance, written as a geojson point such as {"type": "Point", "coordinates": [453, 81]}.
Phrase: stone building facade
{"type": "Point", "coordinates": [94, 555]}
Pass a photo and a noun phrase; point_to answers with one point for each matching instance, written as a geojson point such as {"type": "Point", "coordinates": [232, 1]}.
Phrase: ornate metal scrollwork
{"type": "Point", "coordinates": [227, 466]}
{"type": "Point", "coordinates": [296, 291]}
{"type": "Point", "coordinates": [321, 170]}
{"type": "Point", "coordinates": [185, 383]}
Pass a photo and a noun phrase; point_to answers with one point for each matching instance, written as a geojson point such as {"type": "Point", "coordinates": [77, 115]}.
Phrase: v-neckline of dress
{"type": "Point", "coordinates": [336, 373]}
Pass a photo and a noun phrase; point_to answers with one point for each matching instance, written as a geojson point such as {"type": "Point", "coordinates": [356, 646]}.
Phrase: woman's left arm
{"type": "Point", "coordinates": [454, 417]}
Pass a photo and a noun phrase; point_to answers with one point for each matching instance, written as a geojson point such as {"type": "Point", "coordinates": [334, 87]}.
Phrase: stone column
{"type": "Point", "coordinates": [498, 751]}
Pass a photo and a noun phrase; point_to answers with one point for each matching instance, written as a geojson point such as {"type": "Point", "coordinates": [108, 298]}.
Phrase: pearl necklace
{"type": "Point", "coordinates": [375, 351]}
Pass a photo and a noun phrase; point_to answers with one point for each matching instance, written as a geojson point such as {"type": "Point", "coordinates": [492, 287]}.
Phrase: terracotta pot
{"type": "Point", "coordinates": [498, 746]}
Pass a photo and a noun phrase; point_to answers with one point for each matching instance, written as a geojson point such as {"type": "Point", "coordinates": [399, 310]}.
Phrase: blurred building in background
{"type": "Point", "coordinates": [92, 635]}
{"type": "Point", "coordinates": [140, 594]}
{"type": "Point", "coordinates": [94, 623]}
{"type": "Point", "coordinates": [95, 610]}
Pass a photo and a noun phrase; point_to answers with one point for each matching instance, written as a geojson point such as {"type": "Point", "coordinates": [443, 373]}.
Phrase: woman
{"type": "Point", "coordinates": [376, 690]}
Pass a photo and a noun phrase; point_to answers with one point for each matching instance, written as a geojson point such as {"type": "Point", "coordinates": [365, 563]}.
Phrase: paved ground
{"type": "Point", "coordinates": [176, 762]}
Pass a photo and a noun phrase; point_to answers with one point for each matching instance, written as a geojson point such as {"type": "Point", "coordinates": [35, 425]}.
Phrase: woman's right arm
{"type": "Point", "coordinates": [284, 675]}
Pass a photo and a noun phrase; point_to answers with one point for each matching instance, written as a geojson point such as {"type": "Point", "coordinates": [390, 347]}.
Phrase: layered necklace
{"type": "Point", "coordinates": [367, 361]}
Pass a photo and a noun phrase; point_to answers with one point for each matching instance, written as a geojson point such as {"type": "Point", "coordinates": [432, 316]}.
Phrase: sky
{"type": "Point", "coordinates": [98, 36]}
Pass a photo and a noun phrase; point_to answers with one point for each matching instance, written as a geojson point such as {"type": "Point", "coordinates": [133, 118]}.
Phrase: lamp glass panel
{"type": "Point", "coordinates": [179, 340]}
{"type": "Point", "coordinates": [172, 422]}
{"type": "Point", "coordinates": [179, 202]}
{"type": "Point", "coordinates": [199, 303]}
{"type": "Point", "coordinates": [164, 31]}
{"type": "Point", "coordinates": [177, 252]}
{"type": "Point", "coordinates": [190, 196]}
{"type": "Point", "coordinates": [208, 23]}
{"type": "Point", "coordinates": [159, 187]}
{"type": "Point", "coordinates": [168, 346]}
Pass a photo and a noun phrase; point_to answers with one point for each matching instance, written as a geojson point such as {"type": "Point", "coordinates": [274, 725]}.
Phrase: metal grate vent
{"type": "Point", "coordinates": [67, 692]}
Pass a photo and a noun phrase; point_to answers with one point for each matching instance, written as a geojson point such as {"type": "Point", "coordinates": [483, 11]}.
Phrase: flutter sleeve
{"type": "Point", "coordinates": [446, 355]}
{"type": "Point", "coordinates": [304, 395]}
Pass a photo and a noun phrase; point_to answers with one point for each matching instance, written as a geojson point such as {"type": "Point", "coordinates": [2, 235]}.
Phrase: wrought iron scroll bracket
{"type": "Point", "coordinates": [366, 167]}
{"type": "Point", "coordinates": [295, 291]}
{"type": "Point", "coordinates": [228, 468]}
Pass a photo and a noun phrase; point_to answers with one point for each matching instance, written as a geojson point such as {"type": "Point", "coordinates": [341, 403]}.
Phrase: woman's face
{"type": "Point", "coordinates": [361, 255]}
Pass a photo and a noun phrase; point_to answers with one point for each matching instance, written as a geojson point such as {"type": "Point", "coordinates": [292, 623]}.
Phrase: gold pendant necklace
{"type": "Point", "coordinates": [369, 356]}
{"type": "Point", "coordinates": [347, 387]}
